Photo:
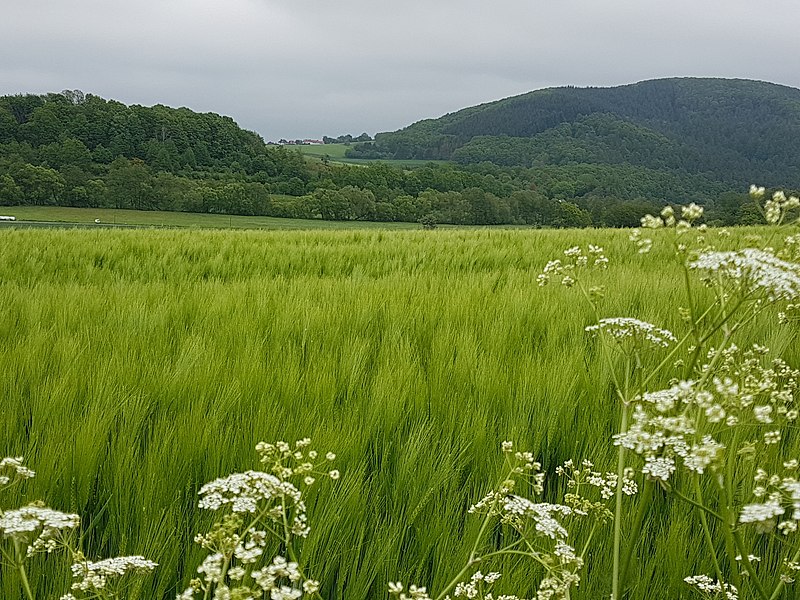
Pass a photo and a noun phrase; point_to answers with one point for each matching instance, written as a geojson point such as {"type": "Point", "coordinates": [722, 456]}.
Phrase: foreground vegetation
{"type": "Point", "coordinates": [139, 365]}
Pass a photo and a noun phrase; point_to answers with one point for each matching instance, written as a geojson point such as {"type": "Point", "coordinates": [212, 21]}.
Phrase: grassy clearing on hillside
{"type": "Point", "coordinates": [137, 365]}
{"type": "Point", "coordinates": [336, 153]}
{"type": "Point", "coordinates": [115, 216]}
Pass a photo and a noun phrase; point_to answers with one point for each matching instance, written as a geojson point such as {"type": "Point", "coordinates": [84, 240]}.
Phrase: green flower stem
{"type": "Point", "coordinates": [20, 564]}
{"type": "Point", "coordinates": [729, 503]}
{"type": "Point", "coordinates": [470, 561]}
{"type": "Point", "coordinates": [748, 566]}
{"type": "Point", "coordinates": [588, 540]}
{"type": "Point", "coordinates": [776, 593]}
{"type": "Point", "coordinates": [702, 507]}
{"type": "Point", "coordinates": [704, 522]}
{"type": "Point", "coordinates": [615, 582]}
{"type": "Point", "coordinates": [644, 507]}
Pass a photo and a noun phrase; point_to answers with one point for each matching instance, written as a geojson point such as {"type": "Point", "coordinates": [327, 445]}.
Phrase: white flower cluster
{"type": "Point", "coordinates": [777, 495]}
{"type": "Point", "coordinates": [606, 483]}
{"type": "Point", "coordinates": [285, 461]}
{"type": "Point", "coordinates": [414, 592]}
{"type": "Point", "coordinates": [522, 463]}
{"type": "Point", "coordinates": [542, 515]}
{"type": "Point", "coordinates": [43, 524]}
{"type": "Point", "coordinates": [751, 271]}
{"type": "Point", "coordinates": [269, 500]}
{"type": "Point", "coordinates": [93, 576]}
{"type": "Point", "coordinates": [12, 469]}
{"type": "Point", "coordinates": [478, 587]}
{"type": "Point", "coordinates": [281, 580]}
{"type": "Point", "coordinates": [678, 422]}
{"type": "Point", "coordinates": [243, 491]}
{"type": "Point", "coordinates": [625, 330]}
{"type": "Point", "coordinates": [574, 258]}
{"type": "Point", "coordinates": [643, 244]}
{"type": "Point", "coordinates": [712, 588]}
{"type": "Point", "coordinates": [272, 579]}
{"type": "Point", "coordinates": [557, 584]}
{"type": "Point", "coordinates": [791, 248]}
{"type": "Point", "coordinates": [775, 208]}
{"type": "Point", "coordinates": [689, 214]}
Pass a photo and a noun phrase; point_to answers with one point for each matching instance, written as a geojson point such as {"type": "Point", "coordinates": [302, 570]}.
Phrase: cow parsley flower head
{"type": "Point", "coordinates": [414, 592]}
{"type": "Point", "coordinates": [12, 469]}
{"type": "Point", "coordinates": [24, 523]}
{"type": "Point", "coordinates": [713, 588]}
{"type": "Point", "coordinates": [543, 515]}
{"type": "Point", "coordinates": [659, 467]}
{"type": "Point", "coordinates": [575, 258]}
{"type": "Point", "coordinates": [94, 575]}
{"type": "Point", "coordinates": [761, 513]}
{"type": "Point", "coordinates": [626, 329]}
{"type": "Point", "coordinates": [243, 491]}
{"type": "Point", "coordinates": [752, 271]}
{"type": "Point", "coordinates": [691, 212]}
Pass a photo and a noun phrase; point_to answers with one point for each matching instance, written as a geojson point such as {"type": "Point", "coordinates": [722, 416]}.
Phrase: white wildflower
{"type": "Point", "coordinates": [761, 513]}
{"type": "Point", "coordinates": [628, 329]}
{"type": "Point", "coordinates": [542, 515]}
{"type": "Point", "coordinates": [713, 588]}
{"type": "Point", "coordinates": [752, 271]}
{"type": "Point", "coordinates": [243, 491]}
{"type": "Point", "coordinates": [21, 522]}
{"type": "Point", "coordinates": [659, 467]}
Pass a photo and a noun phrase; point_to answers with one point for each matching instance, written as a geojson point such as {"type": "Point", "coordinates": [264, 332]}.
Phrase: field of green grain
{"type": "Point", "coordinates": [137, 365]}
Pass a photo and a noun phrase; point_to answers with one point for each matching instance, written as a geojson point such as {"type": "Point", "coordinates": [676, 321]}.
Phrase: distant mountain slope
{"type": "Point", "coordinates": [729, 130]}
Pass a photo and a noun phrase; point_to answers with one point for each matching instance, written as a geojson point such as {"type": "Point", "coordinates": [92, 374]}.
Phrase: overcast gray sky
{"type": "Point", "coordinates": [307, 68]}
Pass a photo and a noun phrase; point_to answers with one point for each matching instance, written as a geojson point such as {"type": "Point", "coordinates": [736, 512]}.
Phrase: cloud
{"type": "Point", "coordinates": [301, 68]}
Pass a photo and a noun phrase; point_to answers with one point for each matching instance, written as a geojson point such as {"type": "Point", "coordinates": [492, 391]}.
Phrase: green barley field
{"type": "Point", "coordinates": [135, 365]}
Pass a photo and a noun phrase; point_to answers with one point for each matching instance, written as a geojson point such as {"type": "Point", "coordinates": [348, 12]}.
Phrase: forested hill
{"type": "Point", "coordinates": [730, 130]}
{"type": "Point", "coordinates": [601, 169]}
{"type": "Point", "coordinates": [166, 138]}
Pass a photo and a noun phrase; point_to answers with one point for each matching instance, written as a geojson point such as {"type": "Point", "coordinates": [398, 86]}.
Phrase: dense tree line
{"type": "Point", "coordinates": [79, 150]}
{"type": "Point", "coordinates": [733, 131]}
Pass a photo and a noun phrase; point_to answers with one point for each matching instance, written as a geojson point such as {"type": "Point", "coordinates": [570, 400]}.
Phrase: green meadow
{"type": "Point", "coordinates": [137, 365]}
{"type": "Point", "coordinates": [155, 218]}
{"type": "Point", "coordinates": [336, 153]}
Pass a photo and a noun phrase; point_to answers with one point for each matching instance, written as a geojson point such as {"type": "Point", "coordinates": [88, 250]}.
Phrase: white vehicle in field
{"type": "Point", "coordinates": [5, 218]}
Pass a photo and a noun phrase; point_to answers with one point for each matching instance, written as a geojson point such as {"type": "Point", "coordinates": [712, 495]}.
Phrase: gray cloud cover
{"type": "Point", "coordinates": [304, 68]}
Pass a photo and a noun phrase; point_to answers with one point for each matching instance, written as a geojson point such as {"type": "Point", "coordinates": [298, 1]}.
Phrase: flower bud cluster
{"type": "Point", "coordinates": [285, 461]}
{"type": "Point", "coordinates": [689, 214]}
{"type": "Point", "coordinates": [778, 206]}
